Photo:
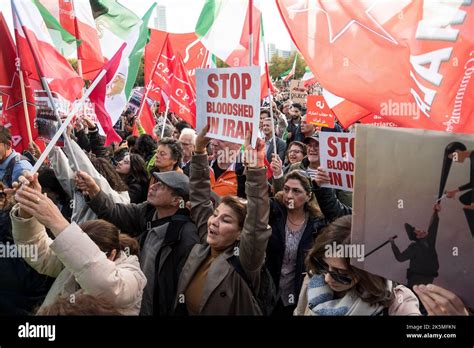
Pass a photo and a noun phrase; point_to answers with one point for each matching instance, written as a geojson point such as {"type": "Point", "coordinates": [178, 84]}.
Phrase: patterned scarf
{"type": "Point", "coordinates": [321, 301]}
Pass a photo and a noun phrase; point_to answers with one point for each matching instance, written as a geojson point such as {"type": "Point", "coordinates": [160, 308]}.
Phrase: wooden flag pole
{"type": "Point", "coordinates": [25, 103]}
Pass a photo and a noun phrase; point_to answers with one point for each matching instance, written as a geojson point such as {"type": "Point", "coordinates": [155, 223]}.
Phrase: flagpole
{"type": "Point", "coordinates": [46, 86]}
{"type": "Point", "coordinates": [147, 88]}
{"type": "Point", "coordinates": [58, 118]}
{"type": "Point", "coordinates": [164, 119]}
{"type": "Point", "coordinates": [267, 72]}
{"type": "Point", "coordinates": [23, 97]}
{"type": "Point", "coordinates": [66, 122]}
{"type": "Point", "coordinates": [251, 32]}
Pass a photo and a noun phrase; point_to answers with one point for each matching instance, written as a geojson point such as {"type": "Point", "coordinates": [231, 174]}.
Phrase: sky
{"type": "Point", "coordinates": [182, 16]}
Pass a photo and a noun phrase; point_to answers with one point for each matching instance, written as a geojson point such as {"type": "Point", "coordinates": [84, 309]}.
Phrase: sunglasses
{"type": "Point", "coordinates": [323, 268]}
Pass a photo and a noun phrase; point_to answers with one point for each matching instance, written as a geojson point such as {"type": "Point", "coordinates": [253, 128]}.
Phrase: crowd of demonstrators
{"type": "Point", "coordinates": [87, 258]}
{"type": "Point", "coordinates": [189, 227]}
{"type": "Point", "coordinates": [163, 227]}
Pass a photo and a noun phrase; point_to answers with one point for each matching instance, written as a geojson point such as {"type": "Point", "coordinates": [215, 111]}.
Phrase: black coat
{"type": "Point", "coordinates": [137, 221]}
{"type": "Point", "coordinates": [331, 207]}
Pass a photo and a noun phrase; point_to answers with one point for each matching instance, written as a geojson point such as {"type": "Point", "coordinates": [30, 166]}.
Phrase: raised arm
{"type": "Point", "coordinates": [200, 186]}
{"type": "Point", "coordinates": [256, 231]}
{"type": "Point", "coordinates": [330, 205]}
{"type": "Point", "coordinates": [130, 218]}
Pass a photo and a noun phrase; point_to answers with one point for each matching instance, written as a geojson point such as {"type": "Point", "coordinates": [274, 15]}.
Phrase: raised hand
{"type": "Point", "coordinates": [276, 165]}
{"type": "Point", "coordinates": [202, 140]}
{"type": "Point", "coordinates": [86, 184]}
{"type": "Point", "coordinates": [36, 204]}
{"type": "Point", "coordinates": [439, 301]}
{"type": "Point", "coordinates": [254, 157]}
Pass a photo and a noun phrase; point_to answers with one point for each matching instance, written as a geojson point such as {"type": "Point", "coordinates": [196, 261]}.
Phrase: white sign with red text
{"type": "Point", "coordinates": [337, 158]}
{"type": "Point", "coordinates": [229, 100]}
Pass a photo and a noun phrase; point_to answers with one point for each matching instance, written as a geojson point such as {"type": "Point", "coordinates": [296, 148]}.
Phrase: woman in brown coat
{"type": "Point", "coordinates": [209, 283]}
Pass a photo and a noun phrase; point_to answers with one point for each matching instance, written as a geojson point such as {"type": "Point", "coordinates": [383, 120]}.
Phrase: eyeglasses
{"type": "Point", "coordinates": [295, 151]}
{"type": "Point", "coordinates": [323, 268]}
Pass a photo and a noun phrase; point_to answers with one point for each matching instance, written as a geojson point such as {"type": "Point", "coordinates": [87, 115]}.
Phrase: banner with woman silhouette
{"type": "Point", "coordinates": [414, 206]}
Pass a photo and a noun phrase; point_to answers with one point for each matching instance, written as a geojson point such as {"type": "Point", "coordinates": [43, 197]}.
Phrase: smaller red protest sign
{"type": "Point", "coordinates": [319, 112]}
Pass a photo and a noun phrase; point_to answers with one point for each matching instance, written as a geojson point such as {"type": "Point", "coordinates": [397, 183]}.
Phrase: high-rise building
{"type": "Point", "coordinates": [271, 51]}
{"type": "Point", "coordinates": [160, 20]}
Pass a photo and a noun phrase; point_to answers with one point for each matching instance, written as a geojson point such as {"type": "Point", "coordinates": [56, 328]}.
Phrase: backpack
{"type": "Point", "coordinates": [267, 296]}
{"type": "Point", "coordinates": [8, 176]}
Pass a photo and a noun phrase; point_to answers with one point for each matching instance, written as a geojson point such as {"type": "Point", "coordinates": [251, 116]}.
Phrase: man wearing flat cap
{"type": "Point", "coordinates": [164, 229]}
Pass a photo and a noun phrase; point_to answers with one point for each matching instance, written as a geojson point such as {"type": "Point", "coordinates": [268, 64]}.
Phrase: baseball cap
{"type": "Point", "coordinates": [315, 136]}
{"type": "Point", "coordinates": [178, 182]}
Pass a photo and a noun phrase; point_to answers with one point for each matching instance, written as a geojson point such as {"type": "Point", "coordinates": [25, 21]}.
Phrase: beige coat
{"type": "Point", "coordinates": [79, 266]}
{"type": "Point", "coordinates": [409, 305]}
{"type": "Point", "coordinates": [225, 292]}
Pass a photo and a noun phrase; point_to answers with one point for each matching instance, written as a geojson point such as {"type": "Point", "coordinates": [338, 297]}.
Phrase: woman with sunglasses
{"type": "Point", "coordinates": [295, 218]}
{"type": "Point", "coordinates": [334, 287]}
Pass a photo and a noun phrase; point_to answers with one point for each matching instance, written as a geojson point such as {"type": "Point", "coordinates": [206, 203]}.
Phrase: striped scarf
{"type": "Point", "coordinates": [321, 301]}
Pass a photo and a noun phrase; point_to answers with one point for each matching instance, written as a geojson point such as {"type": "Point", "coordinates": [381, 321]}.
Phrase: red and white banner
{"type": "Point", "coordinates": [35, 44]}
{"type": "Point", "coordinates": [229, 100]}
{"type": "Point", "coordinates": [13, 116]}
{"type": "Point", "coordinates": [337, 158]}
{"type": "Point", "coordinates": [412, 53]}
{"type": "Point", "coordinates": [187, 45]}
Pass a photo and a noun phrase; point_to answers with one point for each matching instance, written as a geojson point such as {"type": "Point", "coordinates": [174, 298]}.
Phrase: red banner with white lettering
{"type": "Point", "coordinates": [318, 112]}
{"type": "Point", "coordinates": [410, 62]}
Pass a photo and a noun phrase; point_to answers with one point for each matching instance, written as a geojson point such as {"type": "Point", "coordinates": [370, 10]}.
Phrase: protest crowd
{"type": "Point", "coordinates": [150, 214]}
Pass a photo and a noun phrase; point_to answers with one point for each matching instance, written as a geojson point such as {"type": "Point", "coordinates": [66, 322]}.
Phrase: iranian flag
{"type": "Point", "coordinates": [36, 50]}
{"type": "Point", "coordinates": [287, 75]}
{"type": "Point", "coordinates": [308, 77]}
{"type": "Point", "coordinates": [120, 25]}
{"type": "Point", "coordinates": [223, 27]}
{"type": "Point", "coordinates": [76, 18]}
{"type": "Point", "coordinates": [63, 40]}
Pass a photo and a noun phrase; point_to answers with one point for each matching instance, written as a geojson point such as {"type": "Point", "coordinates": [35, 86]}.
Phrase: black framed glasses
{"type": "Point", "coordinates": [323, 268]}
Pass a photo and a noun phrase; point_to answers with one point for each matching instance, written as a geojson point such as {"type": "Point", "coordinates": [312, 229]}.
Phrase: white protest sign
{"type": "Point", "coordinates": [229, 100]}
{"type": "Point", "coordinates": [337, 158]}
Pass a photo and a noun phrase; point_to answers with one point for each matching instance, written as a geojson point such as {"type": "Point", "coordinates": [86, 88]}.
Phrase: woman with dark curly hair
{"type": "Point", "coordinates": [133, 172]}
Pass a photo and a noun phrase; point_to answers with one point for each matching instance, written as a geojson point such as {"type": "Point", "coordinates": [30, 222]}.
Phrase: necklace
{"type": "Point", "coordinates": [294, 224]}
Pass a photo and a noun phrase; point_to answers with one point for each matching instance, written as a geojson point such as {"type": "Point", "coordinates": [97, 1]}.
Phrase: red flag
{"type": "Point", "coordinates": [161, 80]}
{"type": "Point", "coordinates": [188, 45]}
{"type": "Point", "coordinates": [36, 50]}
{"type": "Point", "coordinates": [182, 97]}
{"type": "Point", "coordinates": [146, 120]}
{"type": "Point", "coordinates": [409, 62]}
{"type": "Point", "coordinates": [98, 98]}
{"type": "Point", "coordinates": [13, 116]}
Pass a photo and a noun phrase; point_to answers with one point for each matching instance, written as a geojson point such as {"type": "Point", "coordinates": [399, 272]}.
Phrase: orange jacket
{"type": "Point", "coordinates": [226, 184]}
